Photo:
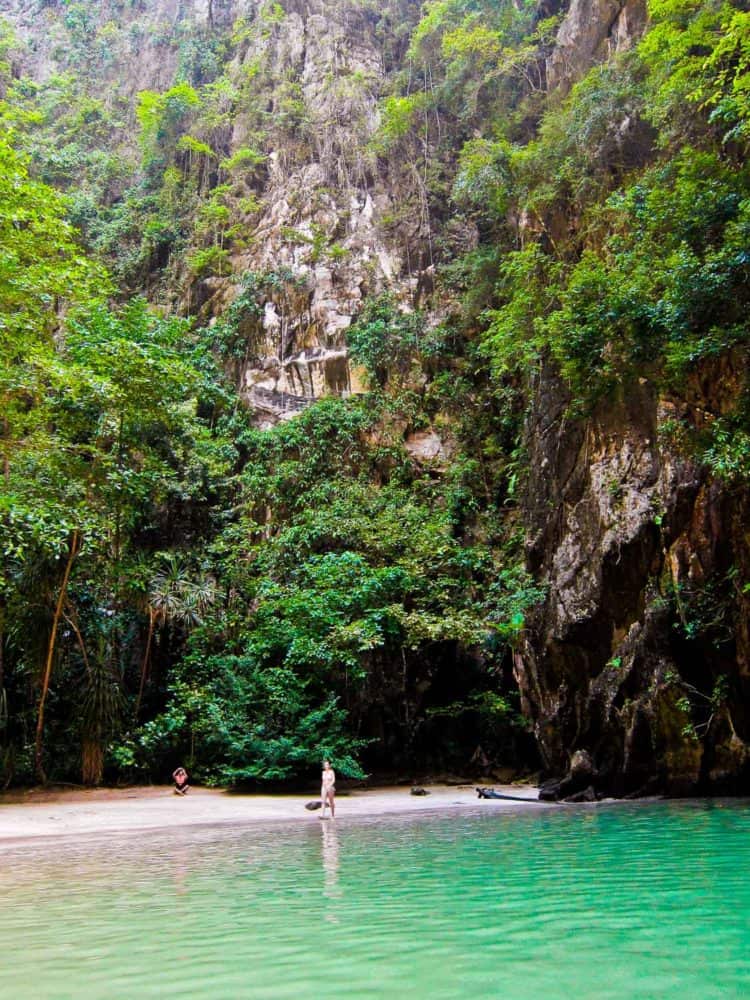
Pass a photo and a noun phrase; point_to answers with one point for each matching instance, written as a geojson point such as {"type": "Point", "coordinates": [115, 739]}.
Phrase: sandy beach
{"type": "Point", "coordinates": [39, 813]}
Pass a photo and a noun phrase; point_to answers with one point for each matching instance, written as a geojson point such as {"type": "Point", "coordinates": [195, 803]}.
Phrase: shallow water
{"type": "Point", "coordinates": [622, 901]}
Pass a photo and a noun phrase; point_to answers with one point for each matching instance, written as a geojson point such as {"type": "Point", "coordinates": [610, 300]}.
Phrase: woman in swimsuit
{"type": "Point", "coordinates": [181, 781]}
{"type": "Point", "coordinates": [328, 789]}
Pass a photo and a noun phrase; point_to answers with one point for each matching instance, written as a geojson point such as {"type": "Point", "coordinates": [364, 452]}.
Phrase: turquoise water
{"type": "Point", "coordinates": [621, 901]}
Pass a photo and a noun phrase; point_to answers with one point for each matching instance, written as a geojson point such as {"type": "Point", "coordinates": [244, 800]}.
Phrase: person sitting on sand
{"type": "Point", "coordinates": [181, 781]}
{"type": "Point", "coordinates": [328, 789]}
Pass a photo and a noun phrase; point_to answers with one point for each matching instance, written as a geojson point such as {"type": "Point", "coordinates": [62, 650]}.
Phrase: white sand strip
{"type": "Point", "coordinates": [49, 814]}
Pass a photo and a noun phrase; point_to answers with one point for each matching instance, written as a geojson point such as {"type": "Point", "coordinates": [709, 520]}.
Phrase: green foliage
{"type": "Point", "coordinates": [471, 57]}
{"type": "Point", "coordinates": [189, 144]}
{"type": "Point", "coordinates": [99, 434]}
{"type": "Point", "coordinates": [669, 288]}
{"type": "Point", "coordinates": [41, 262]}
{"type": "Point", "coordinates": [8, 46]}
{"type": "Point", "coordinates": [252, 725]}
{"type": "Point", "coordinates": [243, 159]}
{"type": "Point", "coordinates": [161, 116]}
{"type": "Point", "coordinates": [208, 261]}
{"type": "Point", "coordinates": [697, 54]}
{"type": "Point", "coordinates": [43, 271]}
{"type": "Point", "coordinates": [726, 90]}
{"type": "Point", "coordinates": [727, 453]}
{"type": "Point", "coordinates": [583, 148]}
{"type": "Point", "coordinates": [704, 613]}
{"type": "Point", "coordinates": [650, 274]}
{"type": "Point", "coordinates": [397, 117]}
{"type": "Point", "coordinates": [514, 337]}
{"type": "Point", "coordinates": [385, 339]}
{"type": "Point", "coordinates": [341, 581]}
{"type": "Point", "coordinates": [482, 177]}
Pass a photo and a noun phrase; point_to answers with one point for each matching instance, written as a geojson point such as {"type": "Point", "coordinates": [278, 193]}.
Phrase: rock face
{"type": "Point", "coordinates": [638, 659]}
{"type": "Point", "coordinates": [590, 32]}
{"type": "Point", "coordinates": [317, 238]}
{"type": "Point", "coordinates": [146, 55]}
{"type": "Point", "coordinates": [323, 203]}
{"type": "Point", "coordinates": [428, 447]}
{"type": "Point", "coordinates": [635, 672]}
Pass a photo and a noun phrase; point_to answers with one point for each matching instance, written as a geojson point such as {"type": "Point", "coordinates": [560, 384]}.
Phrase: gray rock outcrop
{"type": "Point", "coordinates": [639, 656]}
{"type": "Point", "coordinates": [590, 32]}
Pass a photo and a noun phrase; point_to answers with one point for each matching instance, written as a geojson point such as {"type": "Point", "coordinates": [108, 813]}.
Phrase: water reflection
{"type": "Point", "coordinates": [181, 865]}
{"type": "Point", "coordinates": [330, 855]}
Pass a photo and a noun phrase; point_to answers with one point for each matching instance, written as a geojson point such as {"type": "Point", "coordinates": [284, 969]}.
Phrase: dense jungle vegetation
{"type": "Point", "coordinates": [178, 585]}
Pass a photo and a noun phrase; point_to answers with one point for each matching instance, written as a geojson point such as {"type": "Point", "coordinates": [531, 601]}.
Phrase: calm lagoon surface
{"type": "Point", "coordinates": [623, 900]}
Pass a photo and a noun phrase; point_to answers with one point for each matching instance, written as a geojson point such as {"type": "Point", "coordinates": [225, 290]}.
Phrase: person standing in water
{"type": "Point", "coordinates": [328, 789]}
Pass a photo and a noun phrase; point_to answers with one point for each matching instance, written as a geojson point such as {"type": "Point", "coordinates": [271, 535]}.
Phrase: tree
{"type": "Point", "coordinates": [175, 597]}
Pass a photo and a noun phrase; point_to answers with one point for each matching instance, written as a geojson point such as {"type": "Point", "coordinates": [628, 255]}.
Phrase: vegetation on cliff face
{"type": "Point", "coordinates": [178, 584]}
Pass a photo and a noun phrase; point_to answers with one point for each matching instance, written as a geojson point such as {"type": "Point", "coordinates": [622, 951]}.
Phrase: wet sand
{"type": "Point", "coordinates": [38, 813]}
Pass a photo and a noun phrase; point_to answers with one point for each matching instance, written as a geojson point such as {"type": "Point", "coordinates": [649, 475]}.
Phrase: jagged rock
{"type": "Point", "coordinates": [629, 25]}
{"type": "Point", "coordinates": [586, 795]}
{"type": "Point", "coordinates": [323, 199]}
{"type": "Point", "coordinates": [581, 766]}
{"type": "Point", "coordinates": [549, 791]}
{"type": "Point", "coordinates": [590, 31]}
{"type": "Point", "coordinates": [322, 208]}
{"type": "Point", "coordinates": [619, 525]}
{"type": "Point", "coordinates": [137, 58]}
{"type": "Point", "coordinates": [728, 761]}
{"type": "Point", "coordinates": [577, 782]}
{"type": "Point", "coordinates": [419, 791]}
{"type": "Point", "coordinates": [427, 447]}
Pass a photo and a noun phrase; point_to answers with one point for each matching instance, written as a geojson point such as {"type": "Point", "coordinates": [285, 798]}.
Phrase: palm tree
{"type": "Point", "coordinates": [176, 597]}
{"type": "Point", "coordinates": [100, 710]}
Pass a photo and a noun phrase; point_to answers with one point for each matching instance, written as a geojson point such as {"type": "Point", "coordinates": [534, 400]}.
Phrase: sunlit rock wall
{"type": "Point", "coordinates": [324, 202]}
{"type": "Point", "coordinates": [321, 233]}
{"type": "Point", "coordinates": [592, 30]}
{"type": "Point", "coordinates": [138, 39]}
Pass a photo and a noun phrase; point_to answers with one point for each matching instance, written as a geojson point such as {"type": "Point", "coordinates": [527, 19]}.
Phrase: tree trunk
{"type": "Point", "coordinates": [6, 475]}
{"type": "Point", "coordinates": [92, 755]}
{"type": "Point", "coordinates": [144, 664]}
{"type": "Point", "coordinates": [92, 761]}
{"type": "Point", "coordinates": [2, 645]}
{"type": "Point", "coordinates": [39, 742]}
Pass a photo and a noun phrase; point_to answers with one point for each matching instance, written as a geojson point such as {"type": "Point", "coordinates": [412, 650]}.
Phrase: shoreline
{"type": "Point", "coordinates": [40, 814]}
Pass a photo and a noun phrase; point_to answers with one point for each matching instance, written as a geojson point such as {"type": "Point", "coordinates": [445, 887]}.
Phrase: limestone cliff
{"type": "Point", "coordinates": [639, 657]}
{"type": "Point", "coordinates": [323, 204]}
{"type": "Point", "coordinates": [635, 669]}
{"type": "Point", "coordinates": [591, 31]}
{"type": "Point", "coordinates": [137, 44]}
{"type": "Point", "coordinates": [303, 82]}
